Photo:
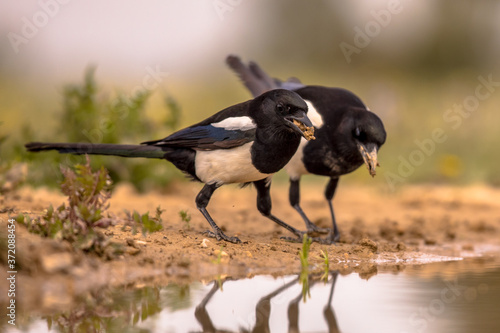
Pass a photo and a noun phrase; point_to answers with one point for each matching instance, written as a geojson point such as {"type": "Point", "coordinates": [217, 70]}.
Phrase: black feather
{"type": "Point", "coordinates": [205, 138]}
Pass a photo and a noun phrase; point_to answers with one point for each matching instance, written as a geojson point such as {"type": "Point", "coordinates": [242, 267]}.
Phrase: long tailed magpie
{"type": "Point", "coordinates": [348, 134]}
{"type": "Point", "coordinates": [244, 143]}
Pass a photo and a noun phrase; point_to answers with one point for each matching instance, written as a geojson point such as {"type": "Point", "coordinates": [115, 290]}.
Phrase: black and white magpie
{"type": "Point", "coordinates": [347, 134]}
{"type": "Point", "coordinates": [244, 143]}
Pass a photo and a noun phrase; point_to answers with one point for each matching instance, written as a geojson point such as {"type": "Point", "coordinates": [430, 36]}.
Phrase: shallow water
{"type": "Point", "coordinates": [457, 296]}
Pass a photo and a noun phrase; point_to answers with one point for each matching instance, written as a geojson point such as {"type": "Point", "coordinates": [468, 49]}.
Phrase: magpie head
{"type": "Point", "coordinates": [367, 134]}
{"type": "Point", "coordinates": [284, 110]}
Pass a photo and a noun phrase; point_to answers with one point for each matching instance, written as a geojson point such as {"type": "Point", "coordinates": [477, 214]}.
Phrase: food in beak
{"type": "Point", "coordinates": [370, 158]}
{"type": "Point", "coordinates": [308, 131]}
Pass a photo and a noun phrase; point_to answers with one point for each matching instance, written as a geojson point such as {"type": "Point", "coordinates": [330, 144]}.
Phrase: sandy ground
{"type": "Point", "coordinates": [380, 231]}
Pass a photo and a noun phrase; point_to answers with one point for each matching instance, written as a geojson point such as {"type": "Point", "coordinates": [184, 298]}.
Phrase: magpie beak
{"type": "Point", "coordinates": [369, 154]}
{"type": "Point", "coordinates": [301, 124]}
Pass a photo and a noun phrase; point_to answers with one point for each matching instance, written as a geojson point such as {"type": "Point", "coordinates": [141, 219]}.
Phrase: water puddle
{"type": "Point", "coordinates": [453, 296]}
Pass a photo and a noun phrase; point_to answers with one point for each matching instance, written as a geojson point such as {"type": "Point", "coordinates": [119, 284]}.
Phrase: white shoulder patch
{"type": "Point", "coordinates": [313, 115]}
{"type": "Point", "coordinates": [236, 123]}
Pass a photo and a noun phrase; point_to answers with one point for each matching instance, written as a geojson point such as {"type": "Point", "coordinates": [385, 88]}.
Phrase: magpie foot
{"type": "Point", "coordinates": [221, 236]}
{"type": "Point", "coordinates": [292, 239]}
{"type": "Point", "coordinates": [331, 239]}
{"type": "Point", "coordinates": [325, 241]}
{"type": "Point", "coordinates": [334, 236]}
{"type": "Point", "coordinates": [314, 230]}
{"type": "Point", "coordinates": [299, 237]}
{"type": "Point", "coordinates": [319, 240]}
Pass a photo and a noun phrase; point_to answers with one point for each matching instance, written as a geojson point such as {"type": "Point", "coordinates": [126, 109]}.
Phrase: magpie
{"type": "Point", "coordinates": [244, 143]}
{"type": "Point", "coordinates": [347, 134]}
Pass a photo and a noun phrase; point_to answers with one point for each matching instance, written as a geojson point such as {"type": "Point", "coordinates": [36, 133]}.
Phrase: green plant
{"type": "Point", "coordinates": [90, 114]}
{"type": "Point", "coordinates": [148, 224]}
{"type": "Point", "coordinates": [304, 266]}
{"type": "Point", "coordinates": [79, 222]}
{"type": "Point", "coordinates": [185, 217]}
{"type": "Point", "coordinates": [326, 265]}
{"type": "Point", "coordinates": [172, 122]}
{"type": "Point", "coordinates": [119, 309]}
{"type": "Point", "coordinates": [304, 253]}
{"type": "Point", "coordinates": [12, 172]}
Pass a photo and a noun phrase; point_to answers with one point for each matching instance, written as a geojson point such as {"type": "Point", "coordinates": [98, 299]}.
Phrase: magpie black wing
{"type": "Point", "coordinates": [206, 137]}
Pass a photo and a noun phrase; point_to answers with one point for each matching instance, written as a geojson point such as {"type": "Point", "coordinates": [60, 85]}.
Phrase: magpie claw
{"type": "Point", "coordinates": [319, 240]}
{"type": "Point", "coordinates": [334, 237]}
{"type": "Point", "coordinates": [221, 236]}
{"type": "Point", "coordinates": [330, 240]}
{"type": "Point", "coordinates": [313, 229]}
{"type": "Point", "coordinates": [292, 239]}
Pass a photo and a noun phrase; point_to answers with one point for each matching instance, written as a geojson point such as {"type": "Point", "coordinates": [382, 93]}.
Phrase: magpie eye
{"type": "Point", "coordinates": [359, 134]}
{"type": "Point", "coordinates": [280, 108]}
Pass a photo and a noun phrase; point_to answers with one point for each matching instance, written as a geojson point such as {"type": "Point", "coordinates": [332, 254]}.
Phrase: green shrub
{"type": "Point", "coordinates": [79, 222]}
{"type": "Point", "coordinates": [91, 115]}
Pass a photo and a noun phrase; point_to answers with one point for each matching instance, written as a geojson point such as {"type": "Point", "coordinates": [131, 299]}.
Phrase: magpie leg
{"type": "Point", "coordinates": [294, 197]}
{"type": "Point", "coordinates": [264, 206]}
{"type": "Point", "coordinates": [202, 200]}
{"type": "Point", "coordinates": [328, 311]}
{"type": "Point", "coordinates": [329, 193]}
{"type": "Point", "coordinates": [201, 313]}
{"type": "Point", "coordinates": [263, 308]}
{"type": "Point", "coordinates": [293, 308]}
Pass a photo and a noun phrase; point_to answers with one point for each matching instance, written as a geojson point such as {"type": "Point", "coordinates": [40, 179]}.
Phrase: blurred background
{"type": "Point", "coordinates": [124, 72]}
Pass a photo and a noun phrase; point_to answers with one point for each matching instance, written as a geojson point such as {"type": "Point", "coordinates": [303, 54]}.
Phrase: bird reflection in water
{"type": "Point", "coordinates": [263, 308]}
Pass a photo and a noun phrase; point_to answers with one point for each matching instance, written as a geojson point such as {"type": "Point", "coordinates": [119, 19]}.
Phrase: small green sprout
{"type": "Point", "coordinates": [304, 264]}
{"type": "Point", "coordinates": [148, 224]}
{"type": "Point", "coordinates": [326, 266]}
{"type": "Point", "coordinates": [185, 217]}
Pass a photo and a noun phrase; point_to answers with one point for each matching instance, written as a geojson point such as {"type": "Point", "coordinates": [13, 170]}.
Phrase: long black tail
{"type": "Point", "coordinates": [100, 149]}
{"type": "Point", "coordinates": [258, 81]}
{"type": "Point", "coordinates": [253, 77]}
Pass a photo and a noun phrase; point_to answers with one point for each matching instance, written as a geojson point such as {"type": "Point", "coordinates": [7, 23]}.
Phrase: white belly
{"type": "Point", "coordinates": [296, 168]}
{"type": "Point", "coordinates": [226, 166]}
